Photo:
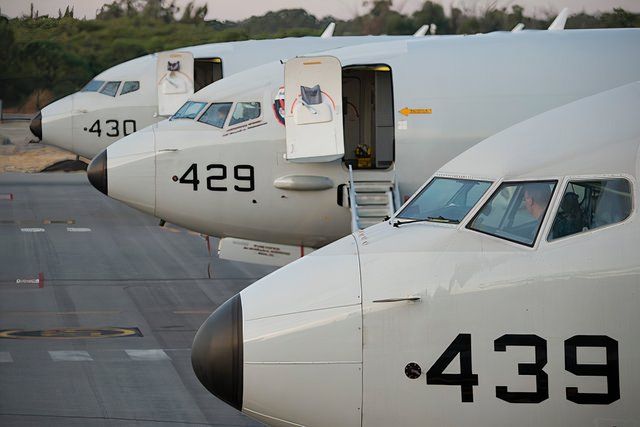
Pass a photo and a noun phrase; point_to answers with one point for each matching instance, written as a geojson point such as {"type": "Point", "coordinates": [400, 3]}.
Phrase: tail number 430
{"type": "Point", "coordinates": [466, 379]}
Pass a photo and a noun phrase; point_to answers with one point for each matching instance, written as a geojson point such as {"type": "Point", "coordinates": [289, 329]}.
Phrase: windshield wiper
{"type": "Point", "coordinates": [440, 219]}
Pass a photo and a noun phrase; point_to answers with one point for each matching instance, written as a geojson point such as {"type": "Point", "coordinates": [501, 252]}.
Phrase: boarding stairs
{"type": "Point", "coordinates": [371, 201]}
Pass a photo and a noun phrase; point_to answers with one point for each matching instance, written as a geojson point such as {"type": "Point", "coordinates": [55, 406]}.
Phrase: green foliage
{"type": "Point", "coordinates": [61, 54]}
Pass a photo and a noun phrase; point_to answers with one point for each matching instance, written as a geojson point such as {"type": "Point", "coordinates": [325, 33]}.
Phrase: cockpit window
{"type": "Point", "coordinates": [515, 211]}
{"type": "Point", "coordinates": [92, 86]}
{"type": "Point", "coordinates": [216, 114]}
{"type": "Point", "coordinates": [445, 200]}
{"type": "Point", "coordinates": [245, 111]}
{"type": "Point", "coordinates": [111, 88]}
{"type": "Point", "coordinates": [129, 87]}
{"type": "Point", "coordinates": [586, 205]}
{"type": "Point", "coordinates": [189, 110]}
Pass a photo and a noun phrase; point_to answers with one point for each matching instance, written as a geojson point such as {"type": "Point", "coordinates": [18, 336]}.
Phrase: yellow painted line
{"type": "Point", "coordinates": [70, 333]}
{"type": "Point", "coordinates": [312, 63]}
{"type": "Point", "coordinates": [59, 221]}
{"type": "Point", "coordinates": [407, 111]}
{"type": "Point", "coordinates": [171, 229]}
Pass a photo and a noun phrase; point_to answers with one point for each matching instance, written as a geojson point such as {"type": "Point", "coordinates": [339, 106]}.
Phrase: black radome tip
{"type": "Point", "coordinates": [36, 125]}
{"type": "Point", "coordinates": [216, 355]}
{"type": "Point", "coordinates": [97, 172]}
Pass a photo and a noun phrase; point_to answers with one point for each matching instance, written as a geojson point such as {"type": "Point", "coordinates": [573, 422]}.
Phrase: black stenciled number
{"type": "Point", "coordinates": [193, 169]}
{"type": "Point", "coordinates": [95, 127]}
{"type": "Point", "coordinates": [211, 178]}
{"type": "Point", "coordinates": [466, 379]}
{"type": "Point", "coordinates": [250, 177]}
{"type": "Point", "coordinates": [611, 369]}
{"type": "Point", "coordinates": [114, 128]}
{"type": "Point", "coordinates": [542, 379]}
{"type": "Point", "coordinates": [125, 129]}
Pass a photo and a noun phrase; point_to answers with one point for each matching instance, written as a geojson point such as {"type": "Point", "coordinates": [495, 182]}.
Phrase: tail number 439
{"type": "Point", "coordinates": [466, 379]}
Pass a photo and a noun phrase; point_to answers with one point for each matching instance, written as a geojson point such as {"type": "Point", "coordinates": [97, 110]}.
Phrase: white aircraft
{"type": "Point", "coordinates": [145, 90]}
{"type": "Point", "coordinates": [395, 112]}
{"type": "Point", "coordinates": [504, 293]}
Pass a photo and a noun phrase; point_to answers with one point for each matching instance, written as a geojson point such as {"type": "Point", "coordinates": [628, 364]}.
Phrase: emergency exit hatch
{"type": "Point", "coordinates": [313, 109]}
{"type": "Point", "coordinates": [333, 112]}
{"type": "Point", "coordinates": [179, 75]}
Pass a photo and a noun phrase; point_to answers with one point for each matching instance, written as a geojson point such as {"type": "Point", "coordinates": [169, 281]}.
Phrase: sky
{"type": "Point", "coordinates": [344, 9]}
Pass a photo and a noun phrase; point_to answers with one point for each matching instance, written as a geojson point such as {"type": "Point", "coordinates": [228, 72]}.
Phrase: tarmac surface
{"type": "Point", "coordinates": [73, 258]}
{"type": "Point", "coordinates": [20, 151]}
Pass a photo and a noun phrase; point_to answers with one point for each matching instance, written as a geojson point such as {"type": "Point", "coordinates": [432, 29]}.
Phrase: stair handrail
{"type": "Point", "coordinates": [396, 193]}
{"type": "Point", "coordinates": [352, 202]}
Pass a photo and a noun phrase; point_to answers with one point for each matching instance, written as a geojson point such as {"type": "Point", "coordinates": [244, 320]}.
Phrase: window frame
{"type": "Point", "coordinates": [233, 109]}
{"type": "Point", "coordinates": [603, 177]}
{"type": "Point", "coordinates": [198, 114]}
{"type": "Point", "coordinates": [421, 190]}
{"type": "Point", "coordinates": [226, 119]}
{"type": "Point", "coordinates": [117, 88]}
{"type": "Point", "coordinates": [93, 91]}
{"type": "Point", "coordinates": [122, 85]}
{"type": "Point", "coordinates": [542, 227]}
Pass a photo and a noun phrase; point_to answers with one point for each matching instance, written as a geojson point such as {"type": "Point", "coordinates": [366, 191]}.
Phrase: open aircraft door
{"type": "Point", "coordinates": [174, 79]}
{"type": "Point", "coordinates": [313, 109]}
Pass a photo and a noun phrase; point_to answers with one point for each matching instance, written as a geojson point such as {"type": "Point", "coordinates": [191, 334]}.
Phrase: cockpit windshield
{"type": "Point", "coordinates": [216, 114]}
{"type": "Point", "coordinates": [445, 200]}
{"type": "Point", "coordinates": [92, 86]}
{"type": "Point", "coordinates": [189, 110]}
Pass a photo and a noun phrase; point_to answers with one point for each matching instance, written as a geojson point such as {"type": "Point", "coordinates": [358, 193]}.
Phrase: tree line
{"type": "Point", "coordinates": [52, 56]}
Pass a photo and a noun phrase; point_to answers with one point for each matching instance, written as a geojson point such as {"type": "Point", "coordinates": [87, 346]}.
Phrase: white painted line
{"type": "Point", "coordinates": [5, 357]}
{"type": "Point", "coordinates": [147, 355]}
{"type": "Point", "coordinates": [78, 229]}
{"type": "Point", "coordinates": [27, 281]}
{"type": "Point", "coordinates": [32, 230]}
{"type": "Point", "coordinates": [70, 356]}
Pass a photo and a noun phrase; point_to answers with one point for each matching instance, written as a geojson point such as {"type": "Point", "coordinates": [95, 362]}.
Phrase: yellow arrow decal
{"type": "Point", "coordinates": [406, 111]}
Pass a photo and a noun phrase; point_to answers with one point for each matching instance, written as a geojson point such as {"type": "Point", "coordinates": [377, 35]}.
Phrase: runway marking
{"type": "Point", "coordinates": [78, 229]}
{"type": "Point", "coordinates": [59, 221]}
{"type": "Point", "coordinates": [172, 229]}
{"type": "Point", "coordinates": [38, 281]}
{"type": "Point", "coordinates": [59, 313]}
{"type": "Point", "coordinates": [29, 222]}
{"type": "Point", "coordinates": [101, 355]}
{"type": "Point", "coordinates": [71, 333]}
{"type": "Point", "coordinates": [27, 281]}
{"type": "Point", "coordinates": [147, 355]}
{"type": "Point", "coordinates": [6, 196]}
{"type": "Point", "coordinates": [32, 230]}
{"type": "Point", "coordinates": [70, 356]}
{"type": "Point", "coordinates": [193, 311]}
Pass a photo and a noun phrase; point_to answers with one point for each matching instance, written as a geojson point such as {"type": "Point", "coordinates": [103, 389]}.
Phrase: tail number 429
{"type": "Point", "coordinates": [243, 174]}
{"type": "Point", "coordinates": [466, 379]}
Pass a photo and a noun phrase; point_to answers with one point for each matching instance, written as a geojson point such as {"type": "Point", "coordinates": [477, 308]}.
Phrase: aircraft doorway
{"type": "Point", "coordinates": [206, 71]}
{"type": "Point", "coordinates": [367, 101]}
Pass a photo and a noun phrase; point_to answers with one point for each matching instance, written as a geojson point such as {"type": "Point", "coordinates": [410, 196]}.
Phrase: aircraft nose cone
{"type": "Point", "coordinates": [216, 355]}
{"type": "Point", "coordinates": [97, 172]}
{"type": "Point", "coordinates": [36, 125]}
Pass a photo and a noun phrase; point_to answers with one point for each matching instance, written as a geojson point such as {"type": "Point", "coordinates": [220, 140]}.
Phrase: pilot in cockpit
{"type": "Point", "coordinates": [536, 199]}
